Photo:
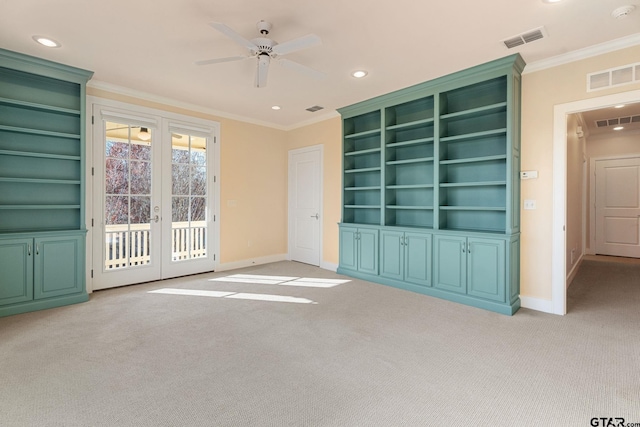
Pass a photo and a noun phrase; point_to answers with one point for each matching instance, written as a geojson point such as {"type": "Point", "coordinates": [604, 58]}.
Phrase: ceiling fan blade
{"type": "Point", "coordinates": [234, 36]}
{"type": "Point", "coordinates": [301, 68]}
{"type": "Point", "coordinates": [297, 44]}
{"type": "Point", "coordinates": [263, 70]}
{"type": "Point", "coordinates": [219, 60]}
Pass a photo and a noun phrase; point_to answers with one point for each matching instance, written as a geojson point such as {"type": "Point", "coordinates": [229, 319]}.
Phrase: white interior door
{"type": "Point", "coordinates": [305, 204]}
{"type": "Point", "coordinates": [154, 198]}
{"type": "Point", "coordinates": [618, 207]}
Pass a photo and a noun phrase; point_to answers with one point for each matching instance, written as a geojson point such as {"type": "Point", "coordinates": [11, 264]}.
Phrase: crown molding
{"type": "Point", "coordinates": [587, 52]}
{"type": "Point", "coordinates": [120, 90]}
{"type": "Point", "coordinates": [144, 96]}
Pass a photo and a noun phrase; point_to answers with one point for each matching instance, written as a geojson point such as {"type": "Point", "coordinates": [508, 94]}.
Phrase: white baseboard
{"type": "Point", "coordinates": [329, 266]}
{"type": "Point", "coordinates": [537, 304]}
{"type": "Point", "coordinates": [574, 271]}
{"type": "Point", "coordinates": [251, 262]}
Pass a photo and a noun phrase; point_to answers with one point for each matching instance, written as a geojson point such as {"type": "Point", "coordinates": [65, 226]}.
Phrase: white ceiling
{"type": "Point", "coordinates": [150, 46]}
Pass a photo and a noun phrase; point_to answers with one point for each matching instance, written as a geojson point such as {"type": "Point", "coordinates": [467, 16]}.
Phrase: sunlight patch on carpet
{"type": "Point", "coordinates": [233, 295]}
{"type": "Point", "coordinates": [281, 280]}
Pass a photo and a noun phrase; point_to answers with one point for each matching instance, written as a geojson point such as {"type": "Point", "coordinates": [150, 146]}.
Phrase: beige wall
{"type": "Point", "coordinates": [253, 184]}
{"type": "Point", "coordinates": [541, 91]}
{"type": "Point", "coordinates": [575, 192]}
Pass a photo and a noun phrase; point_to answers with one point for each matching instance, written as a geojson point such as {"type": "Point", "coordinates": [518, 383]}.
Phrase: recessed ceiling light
{"type": "Point", "coordinates": [619, 106]}
{"type": "Point", "coordinates": [275, 107]}
{"type": "Point", "coordinates": [46, 41]}
{"type": "Point", "coordinates": [359, 74]}
{"type": "Point", "coordinates": [618, 128]}
{"type": "Point", "coordinates": [551, 1]}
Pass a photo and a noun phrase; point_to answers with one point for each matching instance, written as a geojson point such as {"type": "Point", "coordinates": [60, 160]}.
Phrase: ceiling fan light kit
{"type": "Point", "coordinates": [265, 49]}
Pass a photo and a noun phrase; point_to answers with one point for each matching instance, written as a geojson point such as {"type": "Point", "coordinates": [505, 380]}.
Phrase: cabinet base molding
{"type": "Point", "coordinates": [508, 309]}
{"type": "Point", "coordinates": [43, 304]}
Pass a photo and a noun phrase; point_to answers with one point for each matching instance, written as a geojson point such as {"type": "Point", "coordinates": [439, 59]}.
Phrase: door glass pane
{"type": "Point", "coordinates": [127, 196]}
{"type": "Point", "coordinates": [189, 196]}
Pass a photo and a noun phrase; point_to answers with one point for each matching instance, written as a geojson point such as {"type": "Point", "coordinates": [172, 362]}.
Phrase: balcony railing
{"type": "Point", "coordinates": [129, 245]}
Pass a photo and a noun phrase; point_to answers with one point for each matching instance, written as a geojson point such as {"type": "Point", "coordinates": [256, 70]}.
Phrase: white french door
{"type": "Point", "coordinates": [153, 197]}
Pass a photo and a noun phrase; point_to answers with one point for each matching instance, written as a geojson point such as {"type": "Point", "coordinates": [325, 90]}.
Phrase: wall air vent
{"type": "Point", "coordinates": [619, 76]}
{"type": "Point", "coordinates": [526, 37]}
{"type": "Point", "coordinates": [315, 108]}
{"type": "Point", "coordinates": [617, 121]}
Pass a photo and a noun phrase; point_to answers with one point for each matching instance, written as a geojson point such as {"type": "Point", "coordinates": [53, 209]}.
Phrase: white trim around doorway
{"type": "Point", "coordinates": [560, 112]}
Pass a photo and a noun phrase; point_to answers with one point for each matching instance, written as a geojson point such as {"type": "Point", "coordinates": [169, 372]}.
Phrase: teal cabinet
{"type": "Point", "coordinates": [406, 256]}
{"type": "Point", "coordinates": [486, 276]}
{"type": "Point", "coordinates": [16, 265]}
{"type": "Point", "coordinates": [42, 183]}
{"type": "Point", "coordinates": [471, 265]}
{"type": "Point", "coordinates": [58, 266]}
{"type": "Point", "coordinates": [359, 249]}
{"type": "Point", "coordinates": [435, 169]}
{"type": "Point", "coordinates": [451, 263]}
{"type": "Point", "coordinates": [42, 272]}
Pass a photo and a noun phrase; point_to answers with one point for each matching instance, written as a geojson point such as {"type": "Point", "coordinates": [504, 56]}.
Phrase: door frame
{"type": "Point", "coordinates": [592, 194]}
{"type": "Point", "coordinates": [290, 204]}
{"type": "Point", "coordinates": [163, 117]}
{"type": "Point", "coordinates": [558, 303]}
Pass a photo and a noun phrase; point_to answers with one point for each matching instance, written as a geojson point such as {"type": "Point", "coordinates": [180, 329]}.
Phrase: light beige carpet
{"type": "Point", "coordinates": [355, 354]}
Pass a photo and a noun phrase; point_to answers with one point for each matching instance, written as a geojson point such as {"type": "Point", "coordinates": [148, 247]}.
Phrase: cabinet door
{"type": "Point", "coordinates": [16, 267]}
{"type": "Point", "coordinates": [486, 262]}
{"type": "Point", "coordinates": [418, 258]}
{"type": "Point", "coordinates": [451, 264]}
{"type": "Point", "coordinates": [348, 248]}
{"type": "Point", "coordinates": [58, 266]}
{"type": "Point", "coordinates": [392, 254]}
{"type": "Point", "coordinates": [368, 251]}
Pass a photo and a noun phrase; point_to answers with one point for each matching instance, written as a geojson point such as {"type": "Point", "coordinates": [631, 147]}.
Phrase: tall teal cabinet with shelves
{"type": "Point", "coordinates": [42, 184]}
{"type": "Point", "coordinates": [434, 170]}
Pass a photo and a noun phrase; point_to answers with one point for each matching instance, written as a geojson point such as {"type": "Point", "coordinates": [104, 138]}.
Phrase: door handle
{"type": "Point", "coordinates": [29, 250]}
{"type": "Point", "coordinates": [156, 218]}
{"type": "Point", "coordinates": [315, 216]}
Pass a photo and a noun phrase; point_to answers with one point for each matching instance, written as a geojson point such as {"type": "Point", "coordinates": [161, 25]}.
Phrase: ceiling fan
{"type": "Point", "coordinates": [265, 49]}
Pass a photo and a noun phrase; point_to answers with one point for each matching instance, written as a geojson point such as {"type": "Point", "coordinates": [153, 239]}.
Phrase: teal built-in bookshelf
{"type": "Point", "coordinates": [431, 187]}
{"type": "Point", "coordinates": [42, 185]}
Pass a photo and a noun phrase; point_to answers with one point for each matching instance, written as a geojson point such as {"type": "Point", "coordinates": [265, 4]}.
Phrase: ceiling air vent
{"type": "Point", "coordinates": [526, 37]}
{"type": "Point", "coordinates": [619, 76]}
{"type": "Point", "coordinates": [617, 121]}
{"type": "Point", "coordinates": [315, 108]}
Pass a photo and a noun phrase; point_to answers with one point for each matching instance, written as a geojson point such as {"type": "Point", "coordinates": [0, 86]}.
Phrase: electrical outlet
{"type": "Point", "coordinates": [529, 204]}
